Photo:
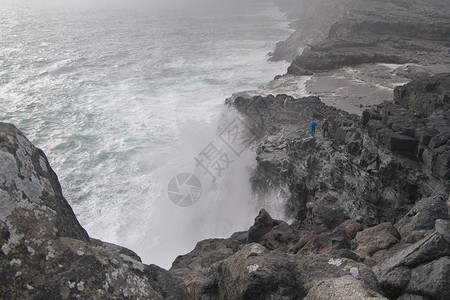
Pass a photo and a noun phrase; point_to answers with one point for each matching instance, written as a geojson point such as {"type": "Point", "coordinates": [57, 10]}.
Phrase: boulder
{"type": "Point", "coordinates": [325, 216]}
{"type": "Point", "coordinates": [342, 288]}
{"type": "Point", "coordinates": [423, 215]}
{"type": "Point", "coordinates": [399, 143]}
{"type": "Point", "coordinates": [426, 250]}
{"type": "Point", "coordinates": [263, 224]}
{"type": "Point", "coordinates": [376, 238]}
{"type": "Point", "coordinates": [442, 166]}
{"type": "Point", "coordinates": [328, 242]}
{"type": "Point", "coordinates": [281, 235]}
{"type": "Point", "coordinates": [431, 280]}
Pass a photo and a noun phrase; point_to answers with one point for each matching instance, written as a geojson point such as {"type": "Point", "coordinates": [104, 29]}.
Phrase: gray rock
{"type": "Point", "coordinates": [431, 280]}
{"type": "Point", "coordinates": [46, 254]}
{"type": "Point", "coordinates": [394, 283]}
{"type": "Point", "coordinates": [376, 238]}
{"type": "Point", "coordinates": [430, 248]}
{"type": "Point", "coordinates": [423, 215]}
{"type": "Point", "coordinates": [442, 165]}
{"type": "Point", "coordinates": [411, 297]}
{"type": "Point", "coordinates": [254, 272]}
{"type": "Point", "coordinates": [342, 288]}
{"type": "Point", "coordinates": [443, 227]}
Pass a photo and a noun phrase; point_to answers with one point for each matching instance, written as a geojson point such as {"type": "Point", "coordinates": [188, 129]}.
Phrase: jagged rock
{"type": "Point", "coordinates": [325, 216]}
{"type": "Point", "coordinates": [31, 195]}
{"type": "Point", "coordinates": [399, 142]}
{"type": "Point", "coordinates": [420, 269]}
{"type": "Point", "coordinates": [263, 224]}
{"type": "Point", "coordinates": [328, 242]}
{"type": "Point", "coordinates": [342, 288]}
{"type": "Point", "coordinates": [376, 238]}
{"type": "Point", "coordinates": [430, 248]}
{"type": "Point", "coordinates": [46, 254]}
{"type": "Point", "coordinates": [443, 228]}
{"type": "Point", "coordinates": [193, 267]}
{"type": "Point", "coordinates": [425, 95]}
{"type": "Point", "coordinates": [431, 279]}
{"type": "Point", "coordinates": [281, 235]}
{"type": "Point", "coordinates": [423, 215]}
{"type": "Point", "coordinates": [394, 283]}
{"type": "Point", "coordinates": [256, 272]}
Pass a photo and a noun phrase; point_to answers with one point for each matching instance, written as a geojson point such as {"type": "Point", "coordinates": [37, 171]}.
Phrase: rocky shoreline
{"type": "Point", "coordinates": [369, 202]}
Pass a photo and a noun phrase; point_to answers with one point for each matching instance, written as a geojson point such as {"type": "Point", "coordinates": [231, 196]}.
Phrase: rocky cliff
{"type": "Point", "coordinates": [369, 202]}
{"type": "Point", "coordinates": [46, 254]}
{"type": "Point", "coordinates": [332, 34]}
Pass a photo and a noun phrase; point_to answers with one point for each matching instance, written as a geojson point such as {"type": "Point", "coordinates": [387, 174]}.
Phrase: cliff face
{"type": "Point", "coordinates": [46, 254]}
{"type": "Point", "coordinates": [331, 34]}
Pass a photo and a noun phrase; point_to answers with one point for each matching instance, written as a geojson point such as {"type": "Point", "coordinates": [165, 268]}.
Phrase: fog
{"type": "Point", "coordinates": [123, 4]}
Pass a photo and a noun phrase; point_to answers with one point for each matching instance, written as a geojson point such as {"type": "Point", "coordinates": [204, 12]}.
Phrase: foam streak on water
{"type": "Point", "coordinates": [121, 99]}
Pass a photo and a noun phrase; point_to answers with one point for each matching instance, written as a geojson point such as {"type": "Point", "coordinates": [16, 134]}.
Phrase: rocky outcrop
{"type": "Point", "coordinates": [46, 254]}
{"type": "Point", "coordinates": [239, 268]}
{"type": "Point", "coordinates": [331, 34]}
{"type": "Point", "coordinates": [371, 219]}
{"type": "Point", "coordinates": [365, 192]}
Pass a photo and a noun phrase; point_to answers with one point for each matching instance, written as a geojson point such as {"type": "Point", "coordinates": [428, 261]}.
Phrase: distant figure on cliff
{"type": "Point", "coordinates": [325, 127]}
{"type": "Point", "coordinates": [313, 127]}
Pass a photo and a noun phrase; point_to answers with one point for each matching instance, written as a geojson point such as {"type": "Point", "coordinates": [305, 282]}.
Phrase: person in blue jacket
{"type": "Point", "coordinates": [313, 126]}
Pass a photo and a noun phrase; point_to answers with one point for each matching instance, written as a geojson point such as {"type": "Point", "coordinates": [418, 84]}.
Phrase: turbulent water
{"type": "Point", "coordinates": [124, 97]}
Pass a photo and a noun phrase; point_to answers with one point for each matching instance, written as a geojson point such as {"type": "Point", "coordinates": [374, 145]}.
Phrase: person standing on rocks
{"type": "Point", "coordinates": [313, 126]}
{"type": "Point", "coordinates": [325, 128]}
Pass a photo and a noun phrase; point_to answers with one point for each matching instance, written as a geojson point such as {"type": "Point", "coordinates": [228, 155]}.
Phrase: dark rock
{"type": "Point", "coordinates": [442, 166]}
{"type": "Point", "coordinates": [255, 272]}
{"type": "Point", "coordinates": [431, 280]}
{"type": "Point", "coordinates": [424, 135]}
{"type": "Point", "coordinates": [423, 215]}
{"type": "Point", "coordinates": [328, 242]}
{"type": "Point", "coordinates": [437, 141]}
{"type": "Point", "coordinates": [395, 282]}
{"type": "Point", "coordinates": [433, 247]}
{"type": "Point", "coordinates": [281, 235]}
{"type": "Point", "coordinates": [263, 225]}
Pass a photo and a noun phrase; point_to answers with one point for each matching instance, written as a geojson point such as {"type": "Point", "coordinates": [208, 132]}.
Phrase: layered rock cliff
{"type": "Point", "coordinates": [332, 34]}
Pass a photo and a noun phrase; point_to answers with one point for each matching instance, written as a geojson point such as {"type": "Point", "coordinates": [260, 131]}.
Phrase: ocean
{"type": "Point", "coordinates": [125, 96]}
